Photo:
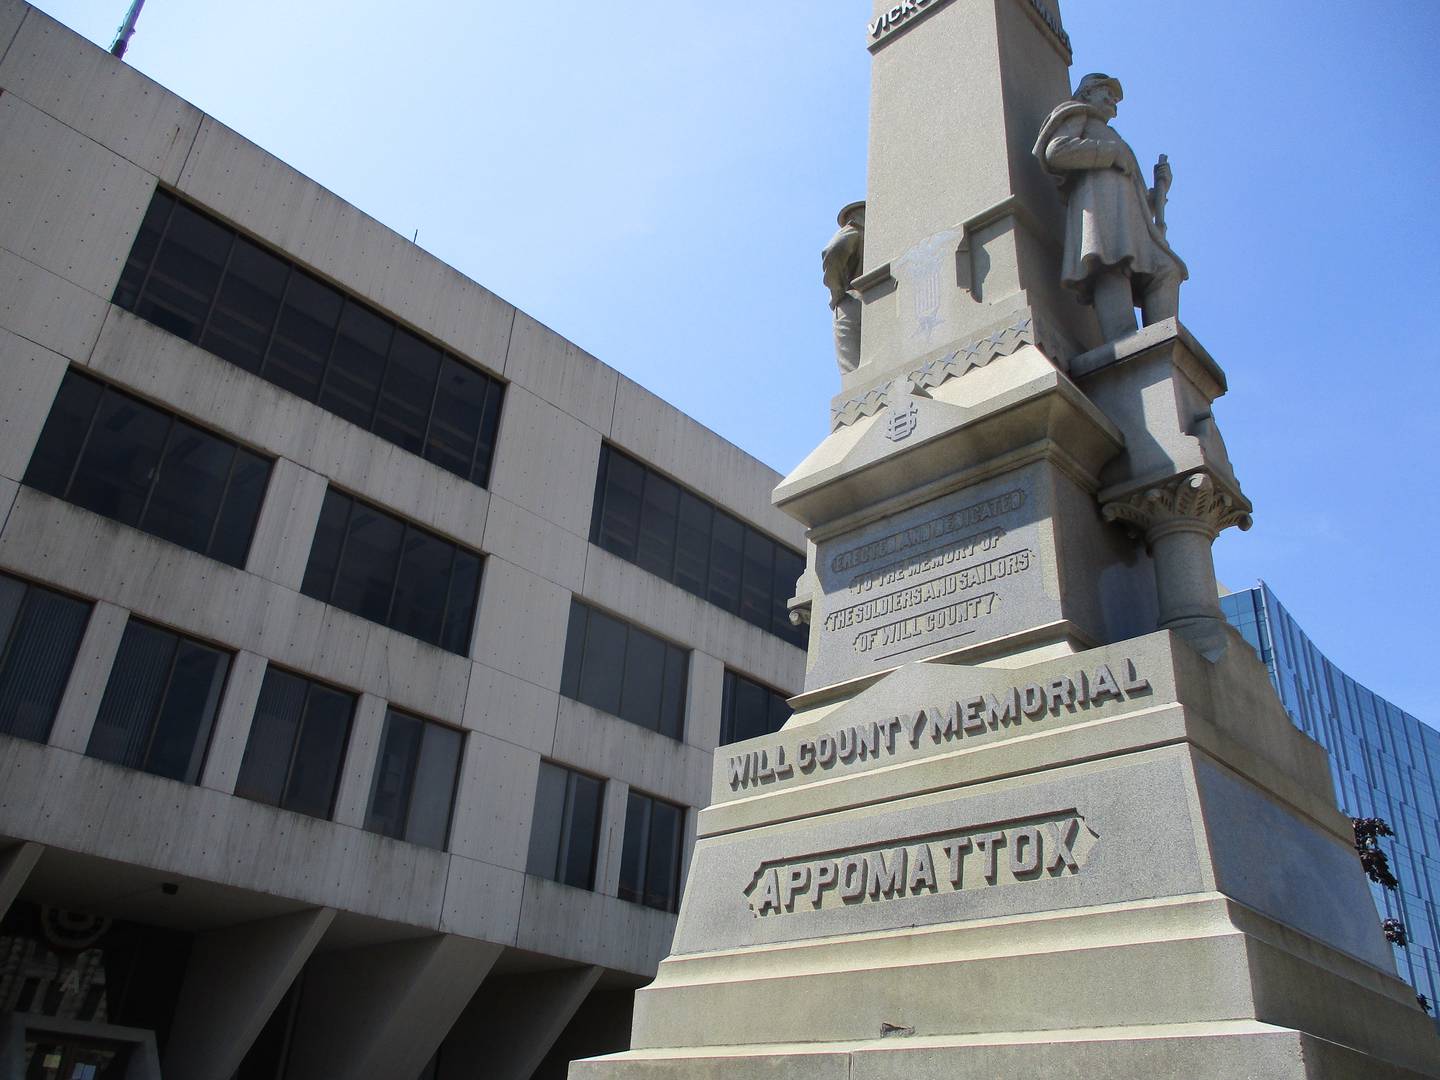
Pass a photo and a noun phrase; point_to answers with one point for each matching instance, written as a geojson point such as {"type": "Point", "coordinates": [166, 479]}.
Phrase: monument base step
{"type": "Point", "coordinates": [1230, 1050]}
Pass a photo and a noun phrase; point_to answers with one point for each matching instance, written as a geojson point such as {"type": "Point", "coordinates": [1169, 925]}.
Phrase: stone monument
{"type": "Point", "coordinates": [1038, 811]}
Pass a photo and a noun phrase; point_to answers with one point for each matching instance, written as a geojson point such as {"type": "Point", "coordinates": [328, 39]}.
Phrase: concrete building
{"type": "Point", "coordinates": [1384, 763]}
{"type": "Point", "coordinates": [364, 644]}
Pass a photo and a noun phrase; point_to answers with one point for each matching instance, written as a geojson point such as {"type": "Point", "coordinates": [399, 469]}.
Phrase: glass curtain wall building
{"type": "Point", "coordinates": [1383, 762]}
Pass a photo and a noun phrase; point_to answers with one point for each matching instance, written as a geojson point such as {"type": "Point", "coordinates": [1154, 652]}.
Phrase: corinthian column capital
{"type": "Point", "coordinates": [1189, 502]}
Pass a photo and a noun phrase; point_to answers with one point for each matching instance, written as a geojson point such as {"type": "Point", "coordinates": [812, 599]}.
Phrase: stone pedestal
{"type": "Point", "coordinates": [1120, 863]}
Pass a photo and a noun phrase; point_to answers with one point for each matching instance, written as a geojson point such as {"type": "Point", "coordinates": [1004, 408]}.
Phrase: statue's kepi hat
{"type": "Point", "coordinates": [1096, 78]}
{"type": "Point", "coordinates": [847, 210]}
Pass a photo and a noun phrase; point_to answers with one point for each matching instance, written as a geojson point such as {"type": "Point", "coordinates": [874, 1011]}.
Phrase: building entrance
{"type": "Point", "coordinates": [57, 1057]}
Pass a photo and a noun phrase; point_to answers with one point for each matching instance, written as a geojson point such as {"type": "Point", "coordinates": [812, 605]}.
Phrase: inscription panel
{"type": "Point", "coordinates": [959, 570]}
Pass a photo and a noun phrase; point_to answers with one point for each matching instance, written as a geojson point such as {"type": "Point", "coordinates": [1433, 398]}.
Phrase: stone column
{"type": "Point", "coordinates": [15, 866]}
{"type": "Point", "coordinates": [235, 979]}
{"type": "Point", "coordinates": [1179, 520]}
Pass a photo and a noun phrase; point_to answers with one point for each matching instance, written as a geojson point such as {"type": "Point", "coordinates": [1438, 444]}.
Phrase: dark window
{"type": "Point", "coordinates": [160, 703]}
{"type": "Point", "coordinates": [565, 831]}
{"type": "Point", "coordinates": [124, 458]}
{"type": "Point", "coordinates": [198, 278]}
{"type": "Point", "coordinates": [40, 634]}
{"type": "Point", "coordinates": [415, 778]}
{"type": "Point", "coordinates": [392, 572]}
{"type": "Point", "coordinates": [622, 670]}
{"type": "Point", "coordinates": [650, 864]}
{"type": "Point", "coordinates": [749, 710]}
{"type": "Point", "coordinates": [297, 743]}
{"type": "Point", "coordinates": [653, 522]}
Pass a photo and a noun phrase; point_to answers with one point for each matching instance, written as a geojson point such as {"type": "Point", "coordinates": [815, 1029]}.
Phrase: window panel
{"type": "Point", "coordinates": [366, 577]}
{"type": "Point", "coordinates": [189, 487]}
{"type": "Point", "coordinates": [727, 537]}
{"type": "Point", "coordinates": [434, 789]}
{"type": "Point", "coordinates": [352, 381]}
{"type": "Point", "coordinates": [650, 860]}
{"type": "Point", "coordinates": [662, 871]}
{"type": "Point", "coordinates": [655, 549]}
{"type": "Point", "coordinates": [460, 607]}
{"type": "Point", "coordinates": [185, 273]}
{"type": "Point", "coordinates": [117, 467]}
{"type": "Point", "coordinates": [40, 634]}
{"type": "Point", "coordinates": [692, 544]}
{"type": "Point", "coordinates": [623, 670]}
{"type": "Point", "coordinates": [548, 821]}
{"type": "Point", "coordinates": [243, 317]}
{"type": "Point", "coordinates": [619, 524]}
{"type": "Point", "coordinates": [142, 254]}
{"type": "Point", "coordinates": [273, 730]}
{"type": "Point", "coordinates": [582, 831]}
{"type": "Point", "coordinates": [459, 412]}
{"type": "Point", "coordinates": [145, 468]}
{"type": "Point", "coordinates": [63, 436]}
{"type": "Point", "coordinates": [394, 773]}
{"type": "Point", "coordinates": [159, 703]}
{"type": "Point", "coordinates": [235, 527]}
{"type": "Point", "coordinates": [750, 710]}
{"type": "Point", "coordinates": [415, 777]}
{"type": "Point", "coordinates": [383, 569]}
{"type": "Point", "coordinates": [651, 521]}
{"type": "Point", "coordinates": [758, 573]}
{"type": "Point", "coordinates": [303, 336]}
{"type": "Point", "coordinates": [403, 412]}
{"type": "Point", "coordinates": [197, 278]}
{"type": "Point", "coordinates": [422, 585]}
{"type": "Point", "coordinates": [603, 668]}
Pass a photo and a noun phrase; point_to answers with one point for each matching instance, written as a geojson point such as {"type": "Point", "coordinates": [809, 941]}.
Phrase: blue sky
{"type": "Point", "coordinates": [655, 180]}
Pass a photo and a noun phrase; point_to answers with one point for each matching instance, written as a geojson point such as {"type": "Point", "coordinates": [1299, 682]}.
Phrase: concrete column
{"type": "Point", "coordinates": [512, 1023]}
{"type": "Point", "coordinates": [235, 979]}
{"type": "Point", "coordinates": [705, 693]}
{"type": "Point", "coordinates": [15, 866]}
{"type": "Point", "coordinates": [232, 725]}
{"type": "Point", "coordinates": [612, 837]}
{"type": "Point", "coordinates": [353, 798]}
{"type": "Point", "coordinates": [80, 704]}
{"type": "Point", "coordinates": [381, 1012]}
{"type": "Point", "coordinates": [285, 528]}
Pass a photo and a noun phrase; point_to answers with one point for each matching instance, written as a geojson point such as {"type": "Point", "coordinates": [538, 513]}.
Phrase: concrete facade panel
{"type": "Point", "coordinates": [12, 14]}
{"type": "Point", "coordinates": [561, 373]}
{"type": "Point", "coordinates": [523, 619]}
{"type": "Point", "coordinates": [528, 540]}
{"type": "Point", "coordinates": [29, 377]}
{"type": "Point", "coordinates": [267, 198]}
{"type": "Point", "coordinates": [656, 431]}
{"type": "Point", "coordinates": [482, 900]}
{"type": "Point", "coordinates": [495, 802]}
{"type": "Point", "coordinates": [367, 726]}
{"type": "Point", "coordinates": [545, 461]}
{"type": "Point", "coordinates": [232, 722]}
{"type": "Point", "coordinates": [45, 308]}
{"type": "Point", "coordinates": [71, 206]}
{"type": "Point", "coordinates": [98, 558]}
{"type": "Point", "coordinates": [95, 808]}
{"type": "Point", "coordinates": [559, 920]}
{"type": "Point", "coordinates": [9, 489]}
{"type": "Point", "coordinates": [285, 529]}
{"type": "Point", "coordinates": [644, 759]}
{"type": "Point", "coordinates": [705, 698]}
{"type": "Point", "coordinates": [62, 74]}
{"type": "Point", "coordinates": [189, 380]}
{"type": "Point", "coordinates": [75, 718]}
{"type": "Point", "coordinates": [509, 708]}
{"type": "Point", "coordinates": [639, 596]}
